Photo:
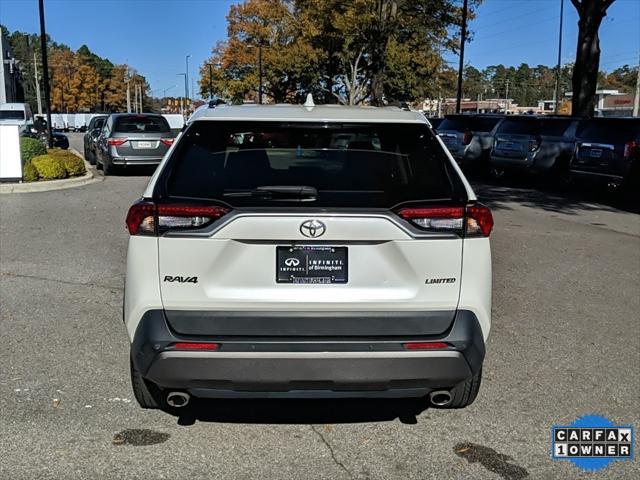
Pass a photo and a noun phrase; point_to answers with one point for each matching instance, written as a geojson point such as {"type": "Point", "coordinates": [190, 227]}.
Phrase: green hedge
{"type": "Point", "coordinates": [55, 164]}
{"type": "Point", "coordinates": [31, 147]}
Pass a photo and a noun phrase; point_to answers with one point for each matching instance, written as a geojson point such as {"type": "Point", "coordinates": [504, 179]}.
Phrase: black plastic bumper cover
{"type": "Point", "coordinates": [281, 364]}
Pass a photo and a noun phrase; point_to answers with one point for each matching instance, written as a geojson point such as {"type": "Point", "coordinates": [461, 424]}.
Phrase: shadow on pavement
{"type": "Point", "coordinates": [297, 411]}
{"type": "Point", "coordinates": [568, 199]}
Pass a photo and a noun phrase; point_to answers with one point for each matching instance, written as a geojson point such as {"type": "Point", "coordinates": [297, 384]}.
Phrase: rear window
{"type": "Point", "coordinates": [141, 124]}
{"type": "Point", "coordinates": [11, 115]}
{"type": "Point", "coordinates": [609, 130]}
{"type": "Point", "coordinates": [521, 126]}
{"type": "Point", "coordinates": [469, 122]}
{"type": "Point", "coordinates": [354, 165]}
{"type": "Point", "coordinates": [554, 126]}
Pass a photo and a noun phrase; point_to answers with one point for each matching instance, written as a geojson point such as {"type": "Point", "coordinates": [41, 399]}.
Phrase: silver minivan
{"type": "Point", "coordinates": [129, 139]}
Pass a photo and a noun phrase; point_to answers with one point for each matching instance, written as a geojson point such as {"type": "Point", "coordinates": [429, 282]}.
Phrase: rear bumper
{"type": "Point", "coordinates": [303, 367]}
{"type": "Point", "coordinates": [124, 161]}
{"type": "Point", "coordinates": [512, 163]}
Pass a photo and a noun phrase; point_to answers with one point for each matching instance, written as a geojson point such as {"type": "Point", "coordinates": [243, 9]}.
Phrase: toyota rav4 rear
{"type": "Point", "coordinates": [307, 252]}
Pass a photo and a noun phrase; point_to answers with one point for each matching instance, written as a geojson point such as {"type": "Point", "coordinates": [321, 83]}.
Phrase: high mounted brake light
{"type": "Point", "coordinates": [472, 221]}
{"type": "Point", "coordinates": [148, 218]}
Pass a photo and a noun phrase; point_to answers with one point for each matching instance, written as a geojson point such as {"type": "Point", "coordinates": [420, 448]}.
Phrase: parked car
{"type": "Point", "coordinates": [128, 139]}
{"type": "Point", "coordinates": [435, 122]}
{"type": "Point", "coordinates": [469, 138]}
{"type": "Point", "coordinates": [608, 151]}
{"type": "Point", "coordinates": [91, 137]}
{"type": "Point", "coordinates": [536, 144]}
{"type": "Point", "coordinates": [300, 269]}
{"type": "Point", "coordinates": [59, 140]}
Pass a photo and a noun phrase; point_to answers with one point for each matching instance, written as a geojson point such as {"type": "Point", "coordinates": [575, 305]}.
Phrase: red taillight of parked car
{"type": "Point", "coordinates": [631, 149]}
{"type": "Point", "coordinates": [167, 141]}
{"type": "Point", "coordinates": [467, 137]}
{"type": "Point", "coordinates": [116, 142]}
{"type": "Point", "coordinates": [148, 218]}
{"type": "Point", "coordinates": [425, 345]}
{"type": "Point", "coordinates": [471, 221]}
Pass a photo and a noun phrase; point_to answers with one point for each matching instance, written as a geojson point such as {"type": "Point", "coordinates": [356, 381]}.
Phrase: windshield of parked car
{"type": "Point", "coordinates": [141, 124]}
{"type": "Point", "coordinates": [350, 165]}
{"type": "Point", "coordinates": [11, 115]}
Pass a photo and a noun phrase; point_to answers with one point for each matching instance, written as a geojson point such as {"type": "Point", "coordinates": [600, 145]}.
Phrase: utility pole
{"type": "Point", "coordinates": [185, 92]}
{"type": "Point", "coordinates": [636, 101]}
{"type": "Point", "coordinates": [260, 72]}
{"type": "Point", "coordinates": [35, 69]}
{"type": "Point", "coordinates": [210, 82]}
{"type": "Point", "coordinates": [506, 99]}
{"type": "Point", "coordinates": [135, 97]}
{"type": "Point", "coordinates": [45, 68]}
{"type": "Point", "coordinates": [186, 79]}
{"type": "Point", "coordinates": [128, 81]}
{"type": "Point", "coordinates": [463, 39]}
{"type": "Point", "coordinates": [556, 94]}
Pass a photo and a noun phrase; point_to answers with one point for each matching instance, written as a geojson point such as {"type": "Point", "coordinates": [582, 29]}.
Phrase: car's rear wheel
{"type": "Point", "coordinates": [464, 394]}
{"type": "Point", "coordinates": [107, 168]}
{"type": "Point", "coordinates": [147, 394]}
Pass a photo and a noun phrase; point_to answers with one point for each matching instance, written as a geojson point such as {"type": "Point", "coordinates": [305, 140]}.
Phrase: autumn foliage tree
{"type": "Point", "coordinates": [381, 51]}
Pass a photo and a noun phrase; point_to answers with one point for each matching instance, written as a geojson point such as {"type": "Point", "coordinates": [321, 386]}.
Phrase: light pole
{"type": "Point", "coordinates": [45, 72]}
{"type": "Point", "coordinates": [463, 39]}
{"type": "Point", "coordinates": [185, 93]}
{"type": "Point", "coordinates": [187, 77]}
{"type": "Point", "coordinates": [556, 93]}
{"type": "Point", "coordinates": [260, 73]}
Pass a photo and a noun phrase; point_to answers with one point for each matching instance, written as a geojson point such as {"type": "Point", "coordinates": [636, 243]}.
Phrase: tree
{"type": "Point", "coordinates": [585, 72]}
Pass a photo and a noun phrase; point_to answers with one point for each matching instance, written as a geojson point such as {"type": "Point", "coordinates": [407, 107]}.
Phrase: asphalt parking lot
{"type": "Point", "coordinates": [564, 343]}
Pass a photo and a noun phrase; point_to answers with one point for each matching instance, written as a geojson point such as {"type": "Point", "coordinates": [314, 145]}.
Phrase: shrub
{"type": "Point", "coordinates": [31, 147]}
{"type": "Point", "coordinates": [29, 172]}
{"type": "Point", "coordinates": [49, 167]}
{"type": "Point", "coordinates": [73, 165]}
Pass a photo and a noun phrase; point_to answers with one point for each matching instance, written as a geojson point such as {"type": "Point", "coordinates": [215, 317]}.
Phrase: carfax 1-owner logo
{"type": "Point", "coordinates": [592, 442]}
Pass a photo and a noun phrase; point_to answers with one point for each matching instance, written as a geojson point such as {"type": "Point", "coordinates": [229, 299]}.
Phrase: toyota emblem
{"type": "Point", "coordinates": [312, 228]}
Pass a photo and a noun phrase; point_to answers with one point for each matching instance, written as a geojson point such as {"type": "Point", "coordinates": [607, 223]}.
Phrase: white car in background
{"type": "Point", "coordinates": [307, 251]}
{"type": "Point", "coordinates": [16, 114]}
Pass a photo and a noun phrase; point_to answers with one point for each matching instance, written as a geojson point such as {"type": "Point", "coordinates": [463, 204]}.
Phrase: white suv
{"type": "Point", "coordinates": [302, 251]}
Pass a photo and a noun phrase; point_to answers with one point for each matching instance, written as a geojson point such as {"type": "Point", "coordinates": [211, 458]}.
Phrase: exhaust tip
{"type": "Point", "coordinates": [178, 399]}
{"type": "Point", "coordinates": [440, 398]}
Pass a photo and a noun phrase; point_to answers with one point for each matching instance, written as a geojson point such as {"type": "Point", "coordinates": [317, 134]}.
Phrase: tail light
{"type": "Point", "coordinates": [471, 221]}
{"type": "Point", "coordinates": [630, 149]}
{"type": "Point", "coordinates": [148, 218]}
{"type": "Point", "coordinates": [466, 137]}
{"type": "Point", "coordinates": [167, 141]}
{"type": "Point", "coordinates": [115, 142]}
{"type": "Point", "coordinates": [534, 144]}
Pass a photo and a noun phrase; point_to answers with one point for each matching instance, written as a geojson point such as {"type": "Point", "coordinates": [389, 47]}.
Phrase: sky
{"type": "Point", "coordinates": [155, 36]}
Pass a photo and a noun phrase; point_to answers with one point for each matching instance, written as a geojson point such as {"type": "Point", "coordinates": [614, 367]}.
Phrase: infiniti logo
{"type": "Point", "coordinates": [292, 262]}
{"type": "Point", "coordinates": [312, 228]}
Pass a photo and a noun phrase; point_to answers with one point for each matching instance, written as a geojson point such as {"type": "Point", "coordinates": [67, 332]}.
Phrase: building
{"type": "Point", "coordinates": [611, 102]}
{"type": "Point", "coordinates": [10, 78]}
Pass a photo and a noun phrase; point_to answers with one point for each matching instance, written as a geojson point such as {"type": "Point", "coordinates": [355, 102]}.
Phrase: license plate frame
{"type": "Point", "coordinates": [312, 264]}
{"type": "Point", "coordinates": [144, 144]}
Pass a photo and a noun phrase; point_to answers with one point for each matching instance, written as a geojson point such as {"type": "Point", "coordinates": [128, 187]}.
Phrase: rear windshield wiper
{"type": "Point", "coordinates": [303, 193]}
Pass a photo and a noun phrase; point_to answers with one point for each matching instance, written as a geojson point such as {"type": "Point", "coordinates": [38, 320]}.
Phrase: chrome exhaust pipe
{"type": "Point", "coordinates": [440, 398]}
{"type": "Point", "coordinates": [178, 399]}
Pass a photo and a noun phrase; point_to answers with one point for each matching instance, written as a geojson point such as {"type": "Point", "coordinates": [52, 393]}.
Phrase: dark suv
{"type": "Point", "coordinates": [469, 138]}
{"type": "Point", "coordinates": [91, 137]}
{"type": "Point", "coordinates": [132, 139]}
{"type": "Point", "coordinates": [534, 144]}
{"type": "Point", "coordinates": [608, 150]}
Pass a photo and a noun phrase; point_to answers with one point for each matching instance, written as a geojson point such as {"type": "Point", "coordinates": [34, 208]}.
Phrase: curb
{"type": "Point", "coordinates": [50, 185]}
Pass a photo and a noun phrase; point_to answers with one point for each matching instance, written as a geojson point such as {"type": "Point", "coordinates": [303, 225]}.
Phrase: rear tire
{"type": "Point", "coordinates": [107, 168]}
{"type": "Point", "coordinates": [464, 394]}
{"type": "Point", "coordinates": [147, 394]}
